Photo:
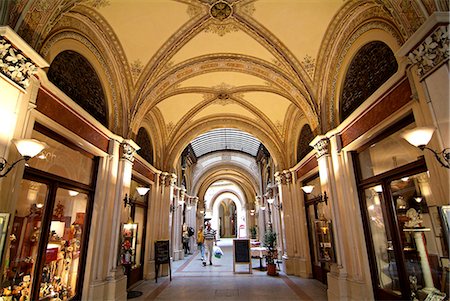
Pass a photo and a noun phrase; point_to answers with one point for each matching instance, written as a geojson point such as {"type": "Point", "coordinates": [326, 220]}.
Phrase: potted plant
{"type": "Point", "coordinates": [253, 232]}
{"type": "Point", "coordinates": [270, 242]}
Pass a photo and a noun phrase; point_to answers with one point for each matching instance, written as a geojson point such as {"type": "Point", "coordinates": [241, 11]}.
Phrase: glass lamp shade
{"type": "Point", "coordinates": [308, 189]}
{"type": "Point", "coordinates": [73, 193]}
{"type": "Point", "coordinates": [29, 148]}
{"type": "Point", "coordinates": [142, 190]}
{"type": "Point", "coordinates": [263, 207]}
{"type": "Point", "coordinates": [419, 137]}
{"type": "Point", "coordinates": [270, 201]}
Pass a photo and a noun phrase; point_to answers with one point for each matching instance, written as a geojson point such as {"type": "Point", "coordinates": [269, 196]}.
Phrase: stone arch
{"type": "Point", "coordinates": [340, 43]}
{"type": "Point", "coordinates": [73, 41]}
{"type": "Point", "coordinates": [152, 93]}
{"type": "Point", "coordinates": [187, 134]}
{"type": "Point", "coordinates": [238, 202]}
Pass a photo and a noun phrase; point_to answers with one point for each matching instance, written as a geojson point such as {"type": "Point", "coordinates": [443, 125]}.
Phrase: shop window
{"type": "Point", "coordinates": [63, 160]}
{"type": "Point", "coordinates": [45, 256]}
{"type": "Point", "coordinates": [405, 235]}
{"type": "Point", "coordinates": [389, 153]}
{"type": "Point", "coordinates": [62, 255]}
{"type": "Point", "coordinates": [318, 217]}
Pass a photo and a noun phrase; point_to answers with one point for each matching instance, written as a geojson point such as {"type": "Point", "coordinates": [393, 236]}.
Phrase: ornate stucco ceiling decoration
{"type": "Point", "coordinates": [221, 20]}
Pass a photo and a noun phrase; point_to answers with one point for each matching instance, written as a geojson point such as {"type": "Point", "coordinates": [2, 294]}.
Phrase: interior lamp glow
{"type": "Point", "coordinates": [308, 189]}
{"type": "Point", "coordinates": [418, 199]}
{"type": "Point", "coordinates": [322, 197]}
{"type": "Point", "coordinates": [420, 136]}
{"type": "Point", "coordinates": [28, 148]}
{"type": "Point", "coordinates": [378, 189]}
{"type": "Point", "coordinates": [263, 207]}
{"type": "Point", "coordinates": [270, 201]}
{"type": "Point", "coordinates": [73, 193]}
{"type": "Point", "coordinates": [142, 190]}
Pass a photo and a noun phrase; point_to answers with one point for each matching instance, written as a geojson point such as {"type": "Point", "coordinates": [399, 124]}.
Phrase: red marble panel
{"type": "Point", "coordinates": [143, 170]}
{"type": "Point", "coordinates": [52, 107]}
{"type": "Point", "coordinates": [389, 104]}
{"type": "Point", "coordinates": [307, 167]}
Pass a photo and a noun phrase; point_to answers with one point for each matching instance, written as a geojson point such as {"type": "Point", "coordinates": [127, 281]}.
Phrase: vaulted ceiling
{"type": "Point", "coordinates": [185, 67]}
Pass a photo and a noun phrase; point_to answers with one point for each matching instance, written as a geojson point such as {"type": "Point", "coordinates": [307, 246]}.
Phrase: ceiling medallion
{"type": "Point", "coordinates": [221, 10]}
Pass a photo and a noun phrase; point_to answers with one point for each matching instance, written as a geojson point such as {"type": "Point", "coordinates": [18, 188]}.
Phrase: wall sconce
{"type": "Point", "coordinates": [127, 201]}
{"type": "Point", "coordinates": [321, 197]}
{"type": "Point", "coordinates": [28, 148]}
{"type": "Point", "coordinates": [271, 201]}
{"type": "Point", "coordinates": [420, 136]}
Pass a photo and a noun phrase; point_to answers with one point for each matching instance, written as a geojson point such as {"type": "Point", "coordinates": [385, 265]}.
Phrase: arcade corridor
{"type": "Point", "coordinates": [316, 133]}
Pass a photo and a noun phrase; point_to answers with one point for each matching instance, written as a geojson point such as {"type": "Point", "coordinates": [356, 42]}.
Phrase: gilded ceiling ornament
{"type": "Point", "coordinates": [221, 28]}
{"type": "Point", "coordinates": [221, 10]}
{"type": "Point", "coordinates": [136, 69]}
{"type": "Point", "coordinates": [309, 64]}
{"type": "Point", "coordinates": [279, 126]}
{"type": "Point", "coordinates": [96, 3]}
{"type": "Point", "coordinates": [169, 127]}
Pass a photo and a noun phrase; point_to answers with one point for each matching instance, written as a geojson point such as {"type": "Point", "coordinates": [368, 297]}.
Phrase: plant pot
{"type": "Point", "coordinates": [272, 269]}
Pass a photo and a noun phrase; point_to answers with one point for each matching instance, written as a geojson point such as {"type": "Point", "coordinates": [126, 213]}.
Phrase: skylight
{"type": "Point", "coordinates": [225, 139]}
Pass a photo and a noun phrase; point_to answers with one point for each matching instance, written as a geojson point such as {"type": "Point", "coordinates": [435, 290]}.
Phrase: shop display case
{"type": "Point", "coordinates": [324, 236]}
{"type": "Point", "coordinates": [128, 246]}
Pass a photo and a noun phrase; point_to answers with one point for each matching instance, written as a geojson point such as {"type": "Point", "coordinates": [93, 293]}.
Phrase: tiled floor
{"type": "Point", "coordinates": [193, 281]}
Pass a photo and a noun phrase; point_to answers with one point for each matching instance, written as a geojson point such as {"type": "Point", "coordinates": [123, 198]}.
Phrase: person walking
{"type": "Point", "coordinates": [200, 242]}
{"type": "Point", "coordinates": [210, 240]}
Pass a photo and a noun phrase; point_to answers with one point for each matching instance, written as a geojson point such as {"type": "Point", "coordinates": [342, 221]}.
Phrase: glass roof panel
{"type": "Point", "coordinates": [225, 139]}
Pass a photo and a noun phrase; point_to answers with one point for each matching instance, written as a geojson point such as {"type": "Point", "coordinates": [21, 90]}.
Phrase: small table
{"type": "Point", "coordinates": [259, 252]}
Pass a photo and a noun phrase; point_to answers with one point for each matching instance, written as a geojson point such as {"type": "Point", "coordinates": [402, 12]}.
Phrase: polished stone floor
{"type": "Point", "coordinates": [193, 281]}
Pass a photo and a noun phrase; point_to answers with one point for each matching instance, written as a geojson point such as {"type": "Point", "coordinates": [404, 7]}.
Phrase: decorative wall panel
{"type": "Point", "coordinates": [144, 141]}
{"type": "Point", "coordinates": [76, 77]}
{"type": "Point", "coordinates": [373, 65]}
{"type": "Point", "coordinates": [305, 137]}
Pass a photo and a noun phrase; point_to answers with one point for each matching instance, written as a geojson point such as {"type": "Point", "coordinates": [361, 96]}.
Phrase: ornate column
{"type": "Point", "coordinates": [154, 215]}
{"type": "Point", "coordinates": [338, 274]}
{"type": "Point", "coordinates": [284, 219]}
{"type": "Point", "coordinates": [101, 232]}
{"type": "Point", "coordinates": [116, 278]}
{"type": "Point", "coordinates": [301, 259]}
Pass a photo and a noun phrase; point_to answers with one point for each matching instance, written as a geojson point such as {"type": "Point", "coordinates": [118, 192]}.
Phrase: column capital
{"type": "Point", "coordinates": [321, 145]}
{"type": "Point", "coordinates": [284, 177]}
{"type": "Point", "coordinates": [128, 151]}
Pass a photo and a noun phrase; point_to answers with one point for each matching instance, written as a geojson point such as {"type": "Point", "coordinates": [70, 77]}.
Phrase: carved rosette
{"type": "Point", "coordinates": [322, 147]}
{"type": "Point", "coordinates": [432, 52]}
{"type": "Point", "coordinates": [14, 65]}
{"type": "Point", "coordinates": [128, 152]}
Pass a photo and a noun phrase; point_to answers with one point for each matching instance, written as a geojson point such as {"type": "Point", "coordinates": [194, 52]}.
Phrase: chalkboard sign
{"type": "Point", "coordinates": [241, 250]}
{"type": "Point", "coordinates": [162, 256]}
{"type": "Point", "coordinates": [162, 251]}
